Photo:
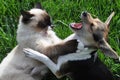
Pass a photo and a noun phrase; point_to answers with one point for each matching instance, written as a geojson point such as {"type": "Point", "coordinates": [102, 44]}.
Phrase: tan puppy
{"type": "Point", "coordinates": [34, 31]}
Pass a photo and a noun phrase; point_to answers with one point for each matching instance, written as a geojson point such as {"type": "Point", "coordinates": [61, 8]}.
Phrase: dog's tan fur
{"type": "Point", "coordinates": [34, 31]}
{"type": "Point", "coordinates": [99, 30]}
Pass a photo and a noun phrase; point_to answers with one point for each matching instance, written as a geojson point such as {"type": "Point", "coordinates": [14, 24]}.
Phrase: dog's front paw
{"type": "Point", "coordinates": [29, 52]}
{"type": "Point", "coordinates": [70, 46]}
{"type": "Point", "coordinates": [35, 54]}
{"type": "Point", "coordinates": [81, 47]}
{"type": "Point", "coordinates": [74, 46]}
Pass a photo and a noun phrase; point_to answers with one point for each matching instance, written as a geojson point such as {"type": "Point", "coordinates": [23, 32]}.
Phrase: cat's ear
{"type": "Point", "coordinates": [38, 5]}
{"type": "Point", "coordinates": [26, 16]}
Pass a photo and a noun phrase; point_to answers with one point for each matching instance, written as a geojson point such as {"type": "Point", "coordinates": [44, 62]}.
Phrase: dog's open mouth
{"type": "Point", "coordinates": [76, 26]}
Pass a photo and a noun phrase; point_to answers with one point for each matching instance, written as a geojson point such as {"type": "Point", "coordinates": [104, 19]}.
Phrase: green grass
{"type": "Point", "coordinates": [62, 12]}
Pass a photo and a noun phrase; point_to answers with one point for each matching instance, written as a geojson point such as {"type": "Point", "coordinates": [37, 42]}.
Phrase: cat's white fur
{"type": "Point", "coordinates": [16, 66]}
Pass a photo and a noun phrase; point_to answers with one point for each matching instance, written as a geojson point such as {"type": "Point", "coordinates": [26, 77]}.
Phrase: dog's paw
{"type": "Point", "coordinates": [34, 54]}
{"type": "Point", "coordinates": [80, 45]}
{"type": "Point", "coordinates": [29, 52]}
{"type": "Point", "coordinates": [74, 45]}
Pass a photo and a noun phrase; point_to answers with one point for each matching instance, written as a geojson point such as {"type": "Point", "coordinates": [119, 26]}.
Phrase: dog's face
{"type": "Point", "coordinates": [94, 32]}
{"type": "Point", "coordinates": [37, 18]}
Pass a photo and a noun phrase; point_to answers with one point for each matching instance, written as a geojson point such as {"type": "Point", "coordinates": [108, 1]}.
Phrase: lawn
{"type": "Point", "coordinates": [62, 12]}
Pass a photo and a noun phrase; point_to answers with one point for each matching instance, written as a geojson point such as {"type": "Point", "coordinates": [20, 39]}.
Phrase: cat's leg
{"type": "Point", "coordinates": [44, 59]}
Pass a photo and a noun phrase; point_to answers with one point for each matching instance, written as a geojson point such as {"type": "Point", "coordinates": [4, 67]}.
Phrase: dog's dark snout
{"type": "Point", "coordinates": [84, 13]}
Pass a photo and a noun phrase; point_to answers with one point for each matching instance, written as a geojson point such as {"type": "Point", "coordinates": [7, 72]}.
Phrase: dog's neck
{"type": "Point", "coordinates": [84, 52]}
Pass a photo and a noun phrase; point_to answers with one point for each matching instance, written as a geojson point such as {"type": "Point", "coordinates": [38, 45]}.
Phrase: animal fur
{"type": "Point", "coordinates": [84, 64]}
{"type": "Point", "coordinates": [34, 31]}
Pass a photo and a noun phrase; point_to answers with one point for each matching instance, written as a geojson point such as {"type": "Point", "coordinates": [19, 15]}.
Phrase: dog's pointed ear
{"type": "Point", "coordinates": [38, 5]}
{"type": "Point", "coordinates": [107, 50]}
{"type": "Point", "coordinates": [107, 22]}
{"type": "Point", "coordinates": [103, 45]}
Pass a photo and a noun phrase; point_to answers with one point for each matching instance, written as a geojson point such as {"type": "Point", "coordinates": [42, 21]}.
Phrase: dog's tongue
{"type": "Point", "coordinates": [76, 25]}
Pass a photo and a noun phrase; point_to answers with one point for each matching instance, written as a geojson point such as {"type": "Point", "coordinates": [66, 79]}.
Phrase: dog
{"type": "Point", "coordinates": [34, 31]}
{"type": "Point", "coordinates": [84, 64]}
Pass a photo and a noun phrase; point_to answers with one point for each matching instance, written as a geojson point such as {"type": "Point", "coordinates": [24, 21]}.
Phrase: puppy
{"type": "Point", "coordinates": [84, 64]}
{"type": "Point", "coordinates": [34, 31]}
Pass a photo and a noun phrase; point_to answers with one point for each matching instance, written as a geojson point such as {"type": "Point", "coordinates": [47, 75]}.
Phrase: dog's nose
{"type": "Point", "coordinates": [84, 13]}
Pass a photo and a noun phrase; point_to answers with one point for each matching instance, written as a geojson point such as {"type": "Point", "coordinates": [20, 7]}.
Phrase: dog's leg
{"type": "Point", "coordinates": [43, 58]}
